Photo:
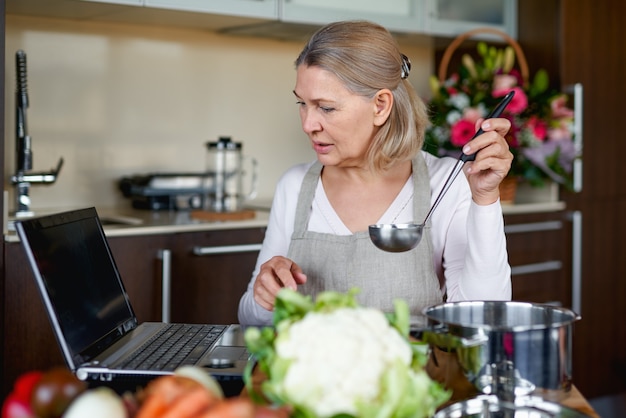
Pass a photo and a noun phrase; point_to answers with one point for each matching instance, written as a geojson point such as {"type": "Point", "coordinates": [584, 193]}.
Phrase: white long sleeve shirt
{"type": "Point", "coordinates": [469, 245]}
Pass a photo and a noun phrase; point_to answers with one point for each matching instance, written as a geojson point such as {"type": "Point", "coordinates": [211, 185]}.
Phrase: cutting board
{"type": "Point", "coordinates": [205, 215]}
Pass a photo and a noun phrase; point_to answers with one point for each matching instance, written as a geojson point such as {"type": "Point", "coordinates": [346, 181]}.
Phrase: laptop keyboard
{"type": "Point", "coordinates": [175, 345]}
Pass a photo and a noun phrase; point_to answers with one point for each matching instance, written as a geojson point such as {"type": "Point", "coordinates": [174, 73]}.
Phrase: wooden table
{"type": "Point", "coordinates": [446, 370]}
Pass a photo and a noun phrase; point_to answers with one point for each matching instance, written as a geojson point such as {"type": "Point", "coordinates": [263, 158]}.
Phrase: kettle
{"type": "Point", "coordinates": [225, 174]}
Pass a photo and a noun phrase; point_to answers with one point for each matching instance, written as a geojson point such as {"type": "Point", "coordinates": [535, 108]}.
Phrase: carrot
{"type": "Point", "coordinates": [190, 403]}
{"type": "Point", "coordinates": [230, 408]}
{"type": "Point", "coordinates": [158, 397]}
{"type": "Point", "coordinates": [263, 411]}
{"type": "Point", "coordinates": [162, 392]}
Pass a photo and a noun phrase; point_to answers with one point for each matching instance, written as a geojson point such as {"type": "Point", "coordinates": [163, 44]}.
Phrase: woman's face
{"type": "Point", "coordinates": [339, 123]}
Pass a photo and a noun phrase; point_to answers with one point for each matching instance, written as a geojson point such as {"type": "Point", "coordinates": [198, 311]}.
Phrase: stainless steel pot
{"type": "Point", "coordinates": [506, 348]}
{"type": "Point", "coordinates": [490, 406]}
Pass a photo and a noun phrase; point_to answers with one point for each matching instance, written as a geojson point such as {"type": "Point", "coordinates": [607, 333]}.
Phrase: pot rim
{"type": "Point", "coordinates": [566, 313]}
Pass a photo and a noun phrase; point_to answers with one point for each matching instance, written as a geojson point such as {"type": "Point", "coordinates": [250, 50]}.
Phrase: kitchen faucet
{"type": "Point", "coordinates": [23, 178]}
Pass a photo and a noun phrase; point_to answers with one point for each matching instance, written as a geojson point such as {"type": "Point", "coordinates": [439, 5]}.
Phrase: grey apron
{"type": "Point", "coordinates": [341, 262]}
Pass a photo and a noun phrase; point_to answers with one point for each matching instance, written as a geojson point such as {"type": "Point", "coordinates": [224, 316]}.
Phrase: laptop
{"type": "Point", "coordinates": [93, 320]}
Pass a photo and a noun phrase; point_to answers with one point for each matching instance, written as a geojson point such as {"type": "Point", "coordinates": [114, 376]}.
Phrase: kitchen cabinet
{"type": "Point", "coordinates": [290, 19]}
{"type": "Point", "coordinates": [28, 342]}
{"type": "Point", "coordinates": [198, 14]}
{"type": "Point", "coordinates": [398, 15]}
{"type": "Point", "coordinates": [450, 18]}
{"type": "Point", "coordinates": [139, 261]}
{"type": "Point", "coordinates": [124, 2]}
{"type": "Point", "coordinates": [162, 276]}
{"type": "Point", "coordinates": [581, 42]}
{"type": "Point", "coordinates": [540, 254]}
{"type": "Point", "coordinates": [210, 271]}
{"type": "Point", "coordinates": [250, 8]}
{"type": "Point", "coordinates": [194, 277]}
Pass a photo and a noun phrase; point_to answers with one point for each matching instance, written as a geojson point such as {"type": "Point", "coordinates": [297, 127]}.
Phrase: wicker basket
{"type": "Point", "coordinates": [508, 186]}
{"type": "Point", "coordinates": [454, 45]}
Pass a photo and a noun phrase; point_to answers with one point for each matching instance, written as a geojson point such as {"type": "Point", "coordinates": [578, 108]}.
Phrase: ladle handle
{"type": "Point", "coordinates": [465, 157]}
{"type": "Point", "coordinates": [494, 114]}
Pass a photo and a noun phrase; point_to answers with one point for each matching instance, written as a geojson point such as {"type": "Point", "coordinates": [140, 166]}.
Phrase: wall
{"type": "Point", "coordinates": [115, 100]}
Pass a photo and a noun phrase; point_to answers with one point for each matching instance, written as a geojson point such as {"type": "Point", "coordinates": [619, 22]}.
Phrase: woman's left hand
{"type": "Point", "coordinates": [492, 163]}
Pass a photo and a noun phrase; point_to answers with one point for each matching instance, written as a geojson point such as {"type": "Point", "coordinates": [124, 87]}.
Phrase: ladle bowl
{"type": "Point", "coordinates": [396, 238]}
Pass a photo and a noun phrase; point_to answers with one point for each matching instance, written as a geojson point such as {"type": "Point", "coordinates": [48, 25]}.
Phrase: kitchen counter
{"type": "Point", "coordinates": [128, 221]}
{"type": "Point", "coordinates": [132, 222]}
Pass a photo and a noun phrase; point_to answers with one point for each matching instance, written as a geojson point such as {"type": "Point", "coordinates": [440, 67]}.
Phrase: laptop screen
{"type": "Point", "coordinates": [75, 266]}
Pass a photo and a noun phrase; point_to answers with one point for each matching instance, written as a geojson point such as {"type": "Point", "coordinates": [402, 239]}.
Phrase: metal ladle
{"type": "Point", "coordinates": [397, 238]}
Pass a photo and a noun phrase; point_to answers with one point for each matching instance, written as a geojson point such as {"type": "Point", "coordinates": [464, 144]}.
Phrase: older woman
{"type": "Point", "coordinates": [366, 125]}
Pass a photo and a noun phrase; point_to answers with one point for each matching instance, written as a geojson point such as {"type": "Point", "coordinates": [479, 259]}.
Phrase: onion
{"type": "Point", "coordinates": [100, 402]}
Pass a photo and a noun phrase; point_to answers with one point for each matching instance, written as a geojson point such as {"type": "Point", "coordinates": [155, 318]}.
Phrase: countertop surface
{"type": "Point", "coordinates": [129, 221]}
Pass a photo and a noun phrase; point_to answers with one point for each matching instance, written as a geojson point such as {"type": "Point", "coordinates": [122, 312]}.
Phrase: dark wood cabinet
{"type": "Point", "coordinates": [581, 42]}
{"type": "Point", "coordinates": [540, 254]}
{"type": "Point", "coordinates": [203, 288]}
{"type": "Point", "coordinates": [28, 342]}
{"type": "Point", "coordinates": [138, 259]}
{"type": "Point", "coordinates": [210, 271]}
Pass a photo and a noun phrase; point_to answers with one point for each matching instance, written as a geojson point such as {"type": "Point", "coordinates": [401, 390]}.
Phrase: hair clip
{"type": "Point", "coordinates": [406, 67]}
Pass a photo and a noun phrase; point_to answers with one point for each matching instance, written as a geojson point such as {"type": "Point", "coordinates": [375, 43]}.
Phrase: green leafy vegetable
{"type": "Point", "coordinates": [334, 358]}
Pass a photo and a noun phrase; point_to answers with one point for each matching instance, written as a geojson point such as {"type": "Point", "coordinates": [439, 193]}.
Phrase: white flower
{"type": "Point", "coordinates": [338, 358]}
{"type": "Point", "coordinates": [459, 100]}
{"type": "Point", "coordinates": [453, 116]}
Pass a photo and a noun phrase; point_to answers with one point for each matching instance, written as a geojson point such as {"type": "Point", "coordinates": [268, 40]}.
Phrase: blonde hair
{"type": "Point", "coordinates": [366, 58]}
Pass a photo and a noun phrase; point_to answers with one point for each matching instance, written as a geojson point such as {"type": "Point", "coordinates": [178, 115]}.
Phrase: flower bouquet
{"type": "Point", "coordinates": [541, 134]}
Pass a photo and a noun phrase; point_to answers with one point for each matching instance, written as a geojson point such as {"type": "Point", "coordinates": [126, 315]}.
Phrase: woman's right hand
{"type": "Point", "coordinates": [276, 273]}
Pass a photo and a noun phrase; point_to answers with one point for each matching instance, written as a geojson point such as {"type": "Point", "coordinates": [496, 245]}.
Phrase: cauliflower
{"type": "Point", "coordinates": [334, 357]}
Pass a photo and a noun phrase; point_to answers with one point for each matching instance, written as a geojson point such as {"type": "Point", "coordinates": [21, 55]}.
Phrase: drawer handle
{"type": "Point", "coordinates": [227, 249]}
{"type": "Point", "coordinates": [533, 227]}
{"type": "Point", "coordinates": [166, 284]}
{"type": "Point", "coordinates": [536, 267]}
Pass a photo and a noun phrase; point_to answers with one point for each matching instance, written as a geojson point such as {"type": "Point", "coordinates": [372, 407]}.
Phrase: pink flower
{"type": "Point", "coordinates": [519, 102]}
{"type": "Point", "coordinates": [504, 82]}
{"type": "Point", "coordinates": [560, 132]}
{"type": "Point", "coordinates": [559, 110]}
{"type": "Point", "coordinates": [461, 132]}
{"type": "Point", "coordinates": [538, 127]}
{"type": "Point", "coordinates": [472, 114]}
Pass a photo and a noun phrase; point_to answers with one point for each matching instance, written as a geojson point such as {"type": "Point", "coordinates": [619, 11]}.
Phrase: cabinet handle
{"type": "Point", "coordinates": [536, 267]}
{"type": "Point", "coordinates": [166, 284]}
{"type": "Point", "coordinates": [225, 249]}
{"type": "Point", "coordinates": [577, 238]}
{"type": "Point", "coordinates": [577, 90]}
{"type": "Point", "coordinates": [533, 227]}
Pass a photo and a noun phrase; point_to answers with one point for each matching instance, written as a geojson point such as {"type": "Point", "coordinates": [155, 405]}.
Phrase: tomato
{"type": "Point", "coordinates": [24, 384]}
{"type": "Point", "coordinates": [54, 392]}
{"type": "Point", "coordinates": [13, 407]}
{"type": "Point", "coordinates": [17, 404]}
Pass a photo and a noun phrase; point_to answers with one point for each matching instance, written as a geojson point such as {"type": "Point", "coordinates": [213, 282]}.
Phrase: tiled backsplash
{"type": "Point", "coordinates": [115, 100]}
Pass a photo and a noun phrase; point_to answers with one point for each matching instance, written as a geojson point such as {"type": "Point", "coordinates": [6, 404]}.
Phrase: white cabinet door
{"type": "Point", "coordinates": [399, 15]}
{"type": "Point", "coordinates": [123, 2]}
{"type": "Point", "coordinates": [453, 17]}
{"type": "Point", "coordinates": [264, 9]}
